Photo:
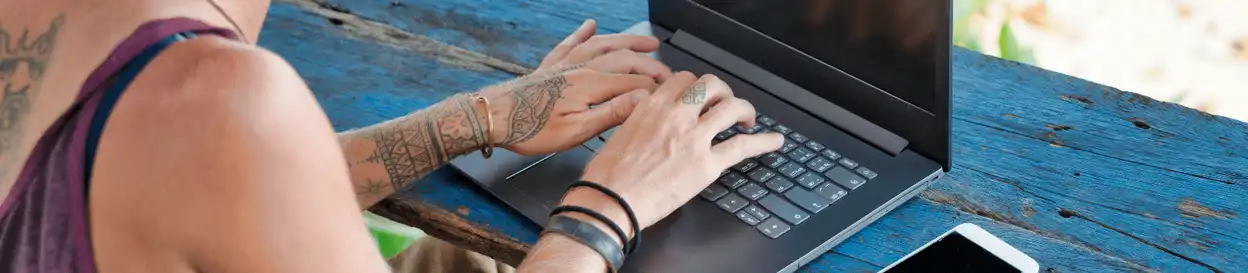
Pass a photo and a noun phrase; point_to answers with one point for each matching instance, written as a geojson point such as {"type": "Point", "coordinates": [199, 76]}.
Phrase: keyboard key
{"type": "Point", "coordinates": [773, 159]}
{"type": "Point", "coordinates": [766, 121]}
{"type": "Point", "coordinates": [747, 218]}
{"type": "Point", "coordinates": [820, 164]}
{"type": "Point", "coordinates": [723, 172]}
{"type": "Point", "coordinates": [807, 200]}
{"type": "Point", "coordinates": [757, 212]}
{"type": "Point", "coordinates": [830, 154]}
{"type": "Point", "coordinates": [801, 155]}
{"type": "Point", "coordinates": [799, 138]}
{"type": "Point", "coordinates": [749, 130]}
{"type": "Point", "coordinates": [732, 203]}
{"type": "Point", "coordinates": [784, 130]}
{"type": "Point", "coordinates": [764, 130]}
{"type": "Point", "coordinates": [761, 175]}
{"type": "Point", "coordinates": [831, 192]}
{"type": "Point", "coordinates": [791, 170]}
{"type": "Point", "coordinates": [815, 146]}
{"type": "Point", "coordinates": [713, 192]}
{"type": "Point", "coordinates": [866, 173]}
{"type": "Point", "coordinates": [845, 178]}
{"type": "Point", "coordinates": [733, 180]}
{"type": "Point", "coordinates": [746, 165]}
{"type": "Point", "coordinates": [848, 163]}
{"type": "Point", "coordinates": [789, 145]}
{"type": "Point", "coordinates": [725, 135]}
{"type": "Point", "coordinates": [810, 180]}
{"type": "Point", "coordinates": [782, 209]}
{"type": "Point", "coordinates": [752, 191]}
{"type": "Point", "coordinates": [773, 228]}
{"type": "Point", "coordinates": [779, 184]}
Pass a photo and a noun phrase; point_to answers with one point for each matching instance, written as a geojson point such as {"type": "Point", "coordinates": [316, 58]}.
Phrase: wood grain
{"type": "Point", "coordinates": [1080, 176]}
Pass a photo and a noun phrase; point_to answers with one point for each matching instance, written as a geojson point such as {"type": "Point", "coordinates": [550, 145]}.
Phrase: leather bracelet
{"type": "Point", "coordinates": [601, 218]}
{"type": "Point", "coordinates": [635, 242]}
{"type": "Point", "coordinates": [588, 235]}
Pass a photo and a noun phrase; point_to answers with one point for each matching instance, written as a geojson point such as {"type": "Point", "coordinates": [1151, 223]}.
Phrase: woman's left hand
{"type": "Point", "coordinates": [549, 110]}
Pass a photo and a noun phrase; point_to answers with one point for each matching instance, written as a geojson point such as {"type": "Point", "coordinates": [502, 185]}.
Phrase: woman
{"type": "Point", "coordinates": [146, 135]}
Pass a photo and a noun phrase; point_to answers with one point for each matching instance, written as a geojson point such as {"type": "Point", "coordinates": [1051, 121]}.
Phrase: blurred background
{"type": "Point", "coordinates": [1192, 52]}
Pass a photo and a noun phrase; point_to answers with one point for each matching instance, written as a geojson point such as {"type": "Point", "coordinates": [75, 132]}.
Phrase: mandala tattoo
{"type": "Point", "coordinates": [696, 94]}
{"type": "Point", "coordinates": [23, 60]}
{"type": "Point", "coordinates": [532, 104]}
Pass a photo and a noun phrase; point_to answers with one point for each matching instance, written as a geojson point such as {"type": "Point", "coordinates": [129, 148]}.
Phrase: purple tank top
{"type": "Point", "coordinates": [43, 221]}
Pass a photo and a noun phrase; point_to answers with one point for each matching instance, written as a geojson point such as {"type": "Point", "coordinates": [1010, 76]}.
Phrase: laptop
{"type": "Point", "coordinates": [860, 88]}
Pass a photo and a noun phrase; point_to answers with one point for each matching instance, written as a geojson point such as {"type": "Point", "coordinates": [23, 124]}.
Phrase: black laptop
{"type": "Point", "coordinates": [859, 87]}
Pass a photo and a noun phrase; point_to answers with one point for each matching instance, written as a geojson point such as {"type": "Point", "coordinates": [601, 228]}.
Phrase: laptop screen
{"type": "Point", "coordinates": [889, 44]}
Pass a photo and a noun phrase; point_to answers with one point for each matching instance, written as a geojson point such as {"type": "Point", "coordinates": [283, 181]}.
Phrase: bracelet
{"type": "Point", "coordinates": [601, 218]}
{"type": "Point", "coordinates": [632, 218]}
{"type": "Point", "coordinates": [588, 235]}
{"type": "Point", "coordinates": [488, 150]}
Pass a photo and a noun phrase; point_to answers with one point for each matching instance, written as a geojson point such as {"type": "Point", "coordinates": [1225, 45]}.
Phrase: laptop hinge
{"type": "Point", "coordinates": [819, 107]}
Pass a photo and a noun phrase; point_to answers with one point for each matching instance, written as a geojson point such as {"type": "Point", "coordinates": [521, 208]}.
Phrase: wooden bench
{"type": "Point", "coordinates": [1080, 176]}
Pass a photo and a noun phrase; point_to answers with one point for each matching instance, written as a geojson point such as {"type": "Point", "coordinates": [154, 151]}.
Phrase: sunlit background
{"type": "Point", "coordinates": [1194, 52]}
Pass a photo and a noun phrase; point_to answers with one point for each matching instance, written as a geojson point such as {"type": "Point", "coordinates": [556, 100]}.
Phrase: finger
{"type": "Point", "coordinates": [630, 62]}
{"type": "Point", "coordinates": [613, 112]}
{"type": "Point", "coordinates": [672, 89]}
{"type": "Point", "coordinates": [744, 146]}
{"type": "Point", "coordinates": [706, 92]}
{"type": "Point", "coordinates": [578, 36]}
{"type": "Point", "coordinates": [724, 114]}
{"type": "Point", "coordinates": [605, 86]}
{"type": "Point", "coordinates": [603, 44]}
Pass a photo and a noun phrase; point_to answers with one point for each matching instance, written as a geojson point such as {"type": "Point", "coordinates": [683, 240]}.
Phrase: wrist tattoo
{"type": "Point", "coordinates": [695, 94]}
{"type": "Point", "coordinates": [411, 147]}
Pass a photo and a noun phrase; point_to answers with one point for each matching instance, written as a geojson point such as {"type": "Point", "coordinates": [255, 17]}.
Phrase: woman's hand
{"type": "Point", "coordinates": [549, 110]}
{"type": "Point", "coordinates": [662, 156]}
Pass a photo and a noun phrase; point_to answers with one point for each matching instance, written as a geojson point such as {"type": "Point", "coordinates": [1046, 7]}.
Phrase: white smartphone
{"type": "Point", "coordinates": [966, 248]}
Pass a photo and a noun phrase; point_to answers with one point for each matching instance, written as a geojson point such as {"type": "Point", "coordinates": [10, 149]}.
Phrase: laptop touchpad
{"type": "Point", "coordinates": [536, 191]}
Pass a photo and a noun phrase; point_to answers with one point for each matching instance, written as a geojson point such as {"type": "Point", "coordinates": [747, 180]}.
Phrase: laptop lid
{"type": "Point", "coordinates": [886, 61]}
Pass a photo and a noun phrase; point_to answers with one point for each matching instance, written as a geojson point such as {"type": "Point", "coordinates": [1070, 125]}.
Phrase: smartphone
{"type": "Point", "coordinates": [966, 248]}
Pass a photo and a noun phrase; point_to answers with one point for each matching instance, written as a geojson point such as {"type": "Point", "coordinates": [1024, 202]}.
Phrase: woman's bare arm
{"type": "Point", "coordinates": [544, 112]}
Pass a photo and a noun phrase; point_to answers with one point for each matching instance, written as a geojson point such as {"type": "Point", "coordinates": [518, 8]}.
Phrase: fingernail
{"type": "Point", "coordinates": [586, 23]}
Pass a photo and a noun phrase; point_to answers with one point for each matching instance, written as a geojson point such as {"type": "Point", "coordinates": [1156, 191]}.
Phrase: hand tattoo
{"type": "Point", "coordinates": [18, 54]}
{"type": "Point", "coordinates": [531, 107]}
{"type": "Point", "coordinates": [696, 94]}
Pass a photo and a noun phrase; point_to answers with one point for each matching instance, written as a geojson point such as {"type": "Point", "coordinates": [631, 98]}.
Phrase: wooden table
{"type": "Point", "coordinates": [1080, 176]}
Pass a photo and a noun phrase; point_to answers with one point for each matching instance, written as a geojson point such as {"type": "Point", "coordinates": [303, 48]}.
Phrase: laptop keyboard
{"type": "Point", "coordinates": [779, 190]}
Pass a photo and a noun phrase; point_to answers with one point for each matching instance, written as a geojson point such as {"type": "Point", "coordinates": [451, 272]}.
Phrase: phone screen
{"type": "Point", "coordinates": [953, 253]}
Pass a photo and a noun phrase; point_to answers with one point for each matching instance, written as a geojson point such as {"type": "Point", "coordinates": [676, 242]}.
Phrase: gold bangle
{"type": "Point", "coordinates": [488, 150]}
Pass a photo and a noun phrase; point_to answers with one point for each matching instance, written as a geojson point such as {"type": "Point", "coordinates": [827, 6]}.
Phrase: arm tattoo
{"type": "Point", "coordinates": [411, 147]}
{"type": "Point", "coordinates": [24, 58]}
{"type": "Point", "coordinates": [696, 94]}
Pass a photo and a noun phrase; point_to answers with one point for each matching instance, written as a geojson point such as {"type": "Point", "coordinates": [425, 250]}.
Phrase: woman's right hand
{"type": "Point", "coordinates": [662, 155]}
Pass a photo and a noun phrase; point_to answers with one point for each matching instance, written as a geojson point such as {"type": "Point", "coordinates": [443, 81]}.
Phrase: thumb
{"type": "Point", "coordinates": [615, 111]}
{"type": "Point", "coordinates": [744, 146]}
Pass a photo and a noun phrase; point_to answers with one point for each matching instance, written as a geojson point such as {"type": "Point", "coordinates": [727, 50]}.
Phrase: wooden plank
{"type": "Point", "coordinates": [516, 31]}
{"type": "Point", "coordinates": [1006, 171]}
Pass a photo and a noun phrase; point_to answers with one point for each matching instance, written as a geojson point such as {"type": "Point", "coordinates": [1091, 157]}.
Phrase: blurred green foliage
{"type": "Point", "coordinates": [1008, 44]}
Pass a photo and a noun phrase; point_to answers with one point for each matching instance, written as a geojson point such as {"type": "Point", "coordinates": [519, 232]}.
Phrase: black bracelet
{"type": "Point", "coordinates": [588, 235]}
{"type": "Point", "coordinates": [601, 218]}
{"type": "Point", "coordinates": [632, 218]}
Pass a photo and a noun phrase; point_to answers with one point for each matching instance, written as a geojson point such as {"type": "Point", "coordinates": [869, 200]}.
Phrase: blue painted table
{"type": "Point", "coordinates": [1080, 176]}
